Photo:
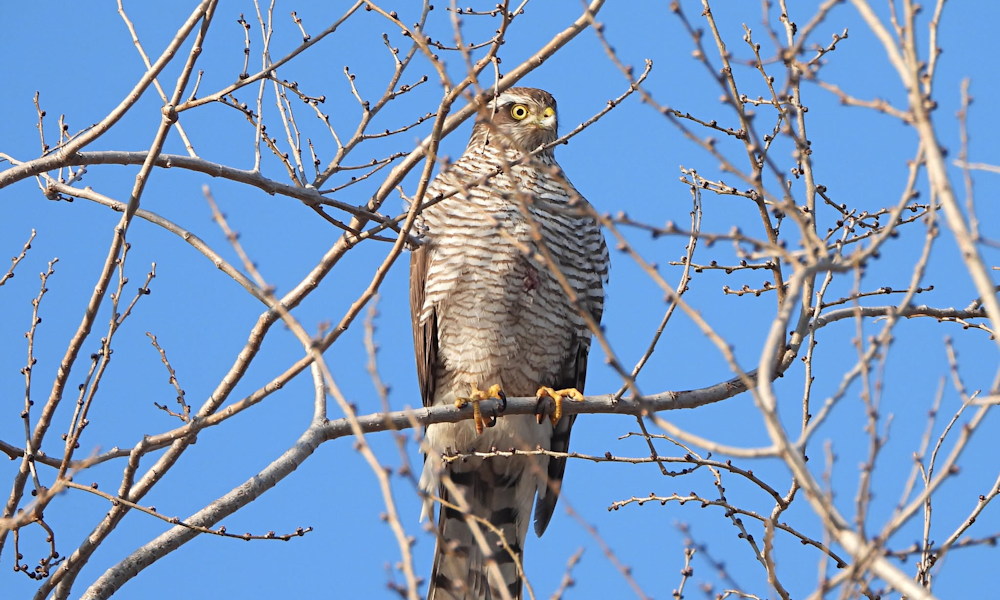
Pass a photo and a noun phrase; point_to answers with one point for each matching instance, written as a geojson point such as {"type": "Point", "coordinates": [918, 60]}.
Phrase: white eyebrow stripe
{"type": "Point", "coordinates": [506, 98]}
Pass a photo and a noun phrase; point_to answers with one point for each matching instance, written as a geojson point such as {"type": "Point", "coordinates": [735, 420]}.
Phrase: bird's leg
{"type": "Point", "coordinates": [557, 397]}
{"type": "Point", "coordinates": [477, 395]}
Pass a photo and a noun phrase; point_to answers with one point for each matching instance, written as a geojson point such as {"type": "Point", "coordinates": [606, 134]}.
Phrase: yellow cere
{"type": "Point", "coordinates": [548, 112]}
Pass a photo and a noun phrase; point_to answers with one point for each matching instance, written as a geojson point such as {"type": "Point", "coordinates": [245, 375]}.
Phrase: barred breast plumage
{"type": "Point", "coordinates": [489, 309]}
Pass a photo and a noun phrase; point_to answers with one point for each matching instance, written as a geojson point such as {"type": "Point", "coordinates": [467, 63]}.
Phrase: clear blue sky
{"type": "Point", "coordinates": [80, 58]}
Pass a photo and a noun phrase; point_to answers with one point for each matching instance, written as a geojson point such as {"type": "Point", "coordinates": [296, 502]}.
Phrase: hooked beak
{"type": "Point", "coordinates": [546, 120]}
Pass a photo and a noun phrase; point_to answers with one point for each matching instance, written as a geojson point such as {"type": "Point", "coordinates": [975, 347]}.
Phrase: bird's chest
{"type": "Point", "coordinates": [494, 261]}
{"type": "Point", "coordinates": [500, 307]}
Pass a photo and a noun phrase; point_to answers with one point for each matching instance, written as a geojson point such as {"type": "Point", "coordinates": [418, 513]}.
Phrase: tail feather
{"type": "Point", "coordinates": [481, 529]}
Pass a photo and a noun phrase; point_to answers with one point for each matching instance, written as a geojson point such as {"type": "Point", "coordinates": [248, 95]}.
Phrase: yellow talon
{"type": "Point", "coordinates": [557, 397]}
{"type": "Point", "coordinates": [476, 395]}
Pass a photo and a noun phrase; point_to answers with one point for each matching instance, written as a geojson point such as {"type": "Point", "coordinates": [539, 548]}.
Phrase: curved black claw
{"type": "Point", "coordinates": [498, 409]}
{"type": "Point", "coordinates": [541, 411]}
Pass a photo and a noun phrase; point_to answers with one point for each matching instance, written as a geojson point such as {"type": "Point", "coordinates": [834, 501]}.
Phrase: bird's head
{"type": "Point", "coordinates": [523, 117]}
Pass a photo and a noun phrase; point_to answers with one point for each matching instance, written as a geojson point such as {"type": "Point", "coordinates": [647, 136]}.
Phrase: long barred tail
{"type": "Point", "coordinates": [479, 549]}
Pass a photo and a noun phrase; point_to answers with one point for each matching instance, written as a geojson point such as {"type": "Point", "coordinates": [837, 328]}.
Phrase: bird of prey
{"type": "Point", "coordinates": [511, 270]}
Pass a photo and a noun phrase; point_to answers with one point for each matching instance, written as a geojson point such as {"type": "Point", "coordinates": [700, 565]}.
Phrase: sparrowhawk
{"type": "Point", "coordinates": [511, 262]}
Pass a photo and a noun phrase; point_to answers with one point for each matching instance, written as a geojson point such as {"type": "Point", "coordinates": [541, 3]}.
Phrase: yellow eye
{"type": "Point", "coordinates": [519, 112]}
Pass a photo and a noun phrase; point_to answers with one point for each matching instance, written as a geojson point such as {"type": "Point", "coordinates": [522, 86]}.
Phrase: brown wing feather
{"type": "Point", "coordinates": [546, 503]}
{"type": "Point", "coordinates": [424, 334]}
{"type": "Point", "coordinates": [574, 376]}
